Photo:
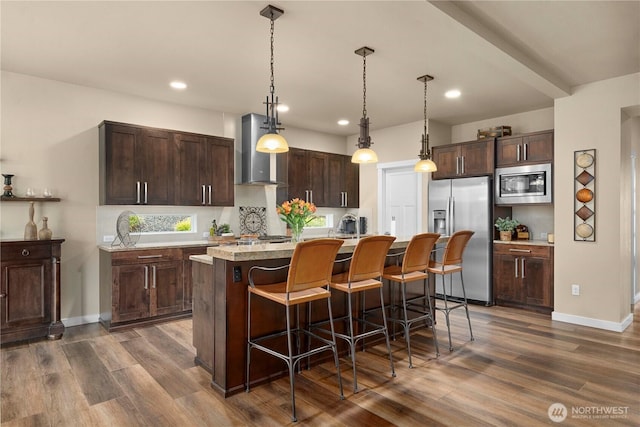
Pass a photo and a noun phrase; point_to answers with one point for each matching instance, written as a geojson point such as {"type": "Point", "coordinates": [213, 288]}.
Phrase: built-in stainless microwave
{"type": "Point", "coordinates": [524, 184]}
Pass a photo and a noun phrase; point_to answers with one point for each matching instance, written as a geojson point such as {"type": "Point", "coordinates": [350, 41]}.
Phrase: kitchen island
{"type": "Point", "coordinates": [220, 309]}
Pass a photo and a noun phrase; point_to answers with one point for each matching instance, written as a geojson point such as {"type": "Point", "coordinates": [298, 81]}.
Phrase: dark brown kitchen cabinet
{"type": "Point", "coordinates": [30, 290]}
{"type": "Point", "coordinates": [136, 165]}
{"type": "Point", "coordinates": [529, 148]}
{"type": "Point", "coordinates": [466, 159]}
{"type": "Point", "coordinates": [141, 286]}
{"type": "Point", "coordinates": [523, 276]}
{"type": "Point", "coordinates": [205, 170]}
{"type": "Point", "coordinates": [344, 182]}
{"type": "Point", "coordinates": [308, 173]}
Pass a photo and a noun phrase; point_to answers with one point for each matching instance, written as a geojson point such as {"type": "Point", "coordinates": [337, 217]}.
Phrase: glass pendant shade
{"type": "Point", "coordinates": [426, 165]}
{"type": "Point", "coordinates": [272, 143]}
{"type": "Point", "coordinates": [364, 155]}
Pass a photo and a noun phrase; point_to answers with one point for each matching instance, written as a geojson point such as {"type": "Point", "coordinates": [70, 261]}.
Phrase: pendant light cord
{"type": "Point", "coordinates": [364, 86]}
{"type": "Point", "coordinates": [272, 87]}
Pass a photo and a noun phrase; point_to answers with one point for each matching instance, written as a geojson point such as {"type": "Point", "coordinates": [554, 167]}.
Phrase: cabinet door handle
{"type": "Point", "coordinates": [526, 151]}
{"type": "Point", "coordinates": [527, 251]}
{"type": "Point", "coordinates": [138, 192]}
{"type": "Point", "coordinates": [516, 264]}
{"type": "Point", "coordinates": [146, 277]}
{"type": "Point", "coordinates": [522, 263]}
{"type": "Point", "coordinates": [149, 256]}
{"type": "Point", "coordinates": [311, 196]}
{"type": "Point", "coordinates": [25, 252]}
{"type": "Point", "coordinates": [518, 152]}
{"type": "Point", "coordinates": [203, 195]}
{"type": "Point", "coordinates": [346, 199]}
{"type": "Point", "coordinates": [153, 271]}
{"type": "Point", "coordinates": [209, 194]}
{"type": "Point", "coordinates": [3, 295]}
{"type": "Point", "coordinates": [462, 163]}
{"type": "Point", "coordinates": [457, 165]}
{"type": "Point", "coordinates": [145, 192]}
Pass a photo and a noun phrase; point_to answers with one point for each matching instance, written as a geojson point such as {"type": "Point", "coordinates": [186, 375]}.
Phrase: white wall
{"type": "Point", "coordinates": [592, 118]}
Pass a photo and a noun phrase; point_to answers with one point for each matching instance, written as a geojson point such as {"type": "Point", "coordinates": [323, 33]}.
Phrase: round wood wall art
{"type": "Point", "coordinates": [584, 212]}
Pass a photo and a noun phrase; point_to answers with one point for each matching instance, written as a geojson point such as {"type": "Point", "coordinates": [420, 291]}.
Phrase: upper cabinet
{"type": "Point", "coordinates": [147, 166]}
{"type": "Point", "coordinates": [524, 149]}
{"type": "Point", "coordinates": [344, 182]}
{"type": "Point", "coordinates": [133, 165]}
{"type": "Point", "coordinates": [205, 171]}
{"type": "Point", "coordinates": [474, 158]}
{"type": "Point", "coordinates": [308, 173]}
{"type": "Point", "coordinates": [325, 179]}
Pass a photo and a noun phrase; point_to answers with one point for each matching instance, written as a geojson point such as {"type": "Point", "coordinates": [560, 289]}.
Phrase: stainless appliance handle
{"type": "Point", "coordinates": [522, 263]}
{"type": "Point", "coordinates": [452, 228]}
{"type": "Point", "coordinates": [526, 151]}
{"type": "Point", "coordinates": [138, 192]}
{"type": "Point", "coordinates": [209, 194]}
{"type": "Point", "coordinates": [518, 152]}
{"type": "Point", "coordinates": [516, 264]}
{"type": "Point", "coordinates": [145, 193]}
{"type": "Point", "coordinates": [447, 218]}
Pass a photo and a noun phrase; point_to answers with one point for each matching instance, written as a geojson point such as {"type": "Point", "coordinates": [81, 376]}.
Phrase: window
{"type": "Point", "coordinates": [162, 223]}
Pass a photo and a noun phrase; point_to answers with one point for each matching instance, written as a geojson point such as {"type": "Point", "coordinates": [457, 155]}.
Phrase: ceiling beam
{"type": "Point", "coordinates": [508, 55]}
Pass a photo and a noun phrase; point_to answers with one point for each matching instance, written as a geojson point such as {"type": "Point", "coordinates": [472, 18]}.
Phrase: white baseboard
{"type": "Point", "coordinates": [81, 320]}
{"type": "Point", "coordinates": [593, 323]}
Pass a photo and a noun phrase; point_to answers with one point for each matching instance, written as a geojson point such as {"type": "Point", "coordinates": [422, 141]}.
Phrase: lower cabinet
{"type": "Point", "coordinates": [141, 286]}
{"type": "Point", "coordinates": [30, 290]}
{"type": "Point", "coordinates": [523, 276]}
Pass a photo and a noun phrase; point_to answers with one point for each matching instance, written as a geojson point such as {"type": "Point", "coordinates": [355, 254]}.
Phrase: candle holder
{"type": "Point", "coordinates": [8, 189]}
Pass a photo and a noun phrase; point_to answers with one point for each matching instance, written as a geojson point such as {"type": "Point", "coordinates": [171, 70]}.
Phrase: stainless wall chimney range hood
{"type": "Point", "coordinates": [260, 168]}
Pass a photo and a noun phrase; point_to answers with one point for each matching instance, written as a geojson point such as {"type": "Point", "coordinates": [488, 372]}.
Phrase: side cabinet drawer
{"type": "Point", "coordinates": [25, 252]}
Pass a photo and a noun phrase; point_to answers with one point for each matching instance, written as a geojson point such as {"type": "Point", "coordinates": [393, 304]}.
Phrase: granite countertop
{"type": "Point", "coordinates": [524, 242]}
{"type": "Point", "coordinates": [158, 245]}
{"type": "Point", "coordinates": [284, 250]}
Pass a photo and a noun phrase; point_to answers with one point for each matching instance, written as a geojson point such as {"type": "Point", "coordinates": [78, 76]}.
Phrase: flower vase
{"type": "Point", "coordinates": [31, 230]}
{"type": "Point", "coordinates": [45, 233]}
{"type": "Point", "coordinates": [296, 233]}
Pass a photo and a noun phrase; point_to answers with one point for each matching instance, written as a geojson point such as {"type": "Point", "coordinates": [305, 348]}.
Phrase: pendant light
{"type": "Point", "coordinates": [425, 164]}
{"type": "Point", "coordinates": [364, 153]}
{"type": "Point", "coordinates": [272, 142]}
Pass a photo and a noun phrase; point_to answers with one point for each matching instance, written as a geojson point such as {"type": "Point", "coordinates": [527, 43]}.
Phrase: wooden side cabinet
{"type": "Point", "coordinates": [524, 149]}
{"type": "Point", "coordinates": [142, 286]}
{"type": "Point", "coordinates": [30, 290]}
{"type": "Point", "coordinates": [308, 173]}
{"type": "Point", "coordinates": [466, 159]}
{"type": "Point", "coordinates": [344, 182]}
{"type": "Point", "coordinates": [523, 276]}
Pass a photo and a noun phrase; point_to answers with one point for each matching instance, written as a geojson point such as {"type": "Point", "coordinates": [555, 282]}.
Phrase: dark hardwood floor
{"type": "Point", "coordinates": [519, 365]}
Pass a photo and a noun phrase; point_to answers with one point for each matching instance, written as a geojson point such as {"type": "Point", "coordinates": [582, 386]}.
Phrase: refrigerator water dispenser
{"type": "Point", "coordinates": [440, 221]}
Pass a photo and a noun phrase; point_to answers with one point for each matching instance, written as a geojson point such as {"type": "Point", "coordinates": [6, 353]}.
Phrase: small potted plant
{"type": "Point", "coordinates": [506, 227]}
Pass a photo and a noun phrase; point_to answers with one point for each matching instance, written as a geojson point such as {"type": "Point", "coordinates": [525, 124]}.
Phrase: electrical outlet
{"type": "Point", "coordinates": [237, 274]}
{"type": "Point", "coordinates": [108, 238]}
{"type": "Point", "coordinates": [575, 289]}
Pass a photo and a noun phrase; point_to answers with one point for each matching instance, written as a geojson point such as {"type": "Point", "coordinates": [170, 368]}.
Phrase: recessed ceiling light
{"type": "Point", "coordinates": [282, 108]}
{"type": "Point", "coordinates": [178, 85]}
{"type": "Point", "coordinates": [343, 122]}
{"type": "Point", "coordinates": [453, 93]}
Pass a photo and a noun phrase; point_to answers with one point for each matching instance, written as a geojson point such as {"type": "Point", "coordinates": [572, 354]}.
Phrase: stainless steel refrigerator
{"type": "Point", "coordinates": [465, 204]}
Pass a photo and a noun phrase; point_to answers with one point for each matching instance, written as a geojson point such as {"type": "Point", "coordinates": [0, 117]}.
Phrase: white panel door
{"type": "Point", "coordinates": [400, 199]}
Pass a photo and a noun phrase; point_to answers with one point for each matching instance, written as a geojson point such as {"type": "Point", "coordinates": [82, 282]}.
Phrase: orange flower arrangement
{"type": "Point", "coordinates": [296, 213]}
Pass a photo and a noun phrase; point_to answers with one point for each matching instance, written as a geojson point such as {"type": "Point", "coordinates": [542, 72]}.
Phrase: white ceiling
{"type": "Point", "coordinates": [505, 56]}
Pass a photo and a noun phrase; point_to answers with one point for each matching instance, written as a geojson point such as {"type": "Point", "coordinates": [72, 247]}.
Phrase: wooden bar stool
{"type": "Point", "coordinates": [414, 268]}
{"type": "Point", "coordinates": [365, 273]}
{"type": "Point", "coordinates": [452, 263]}
{"type": "Point", "coordinates": [308, 280]}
